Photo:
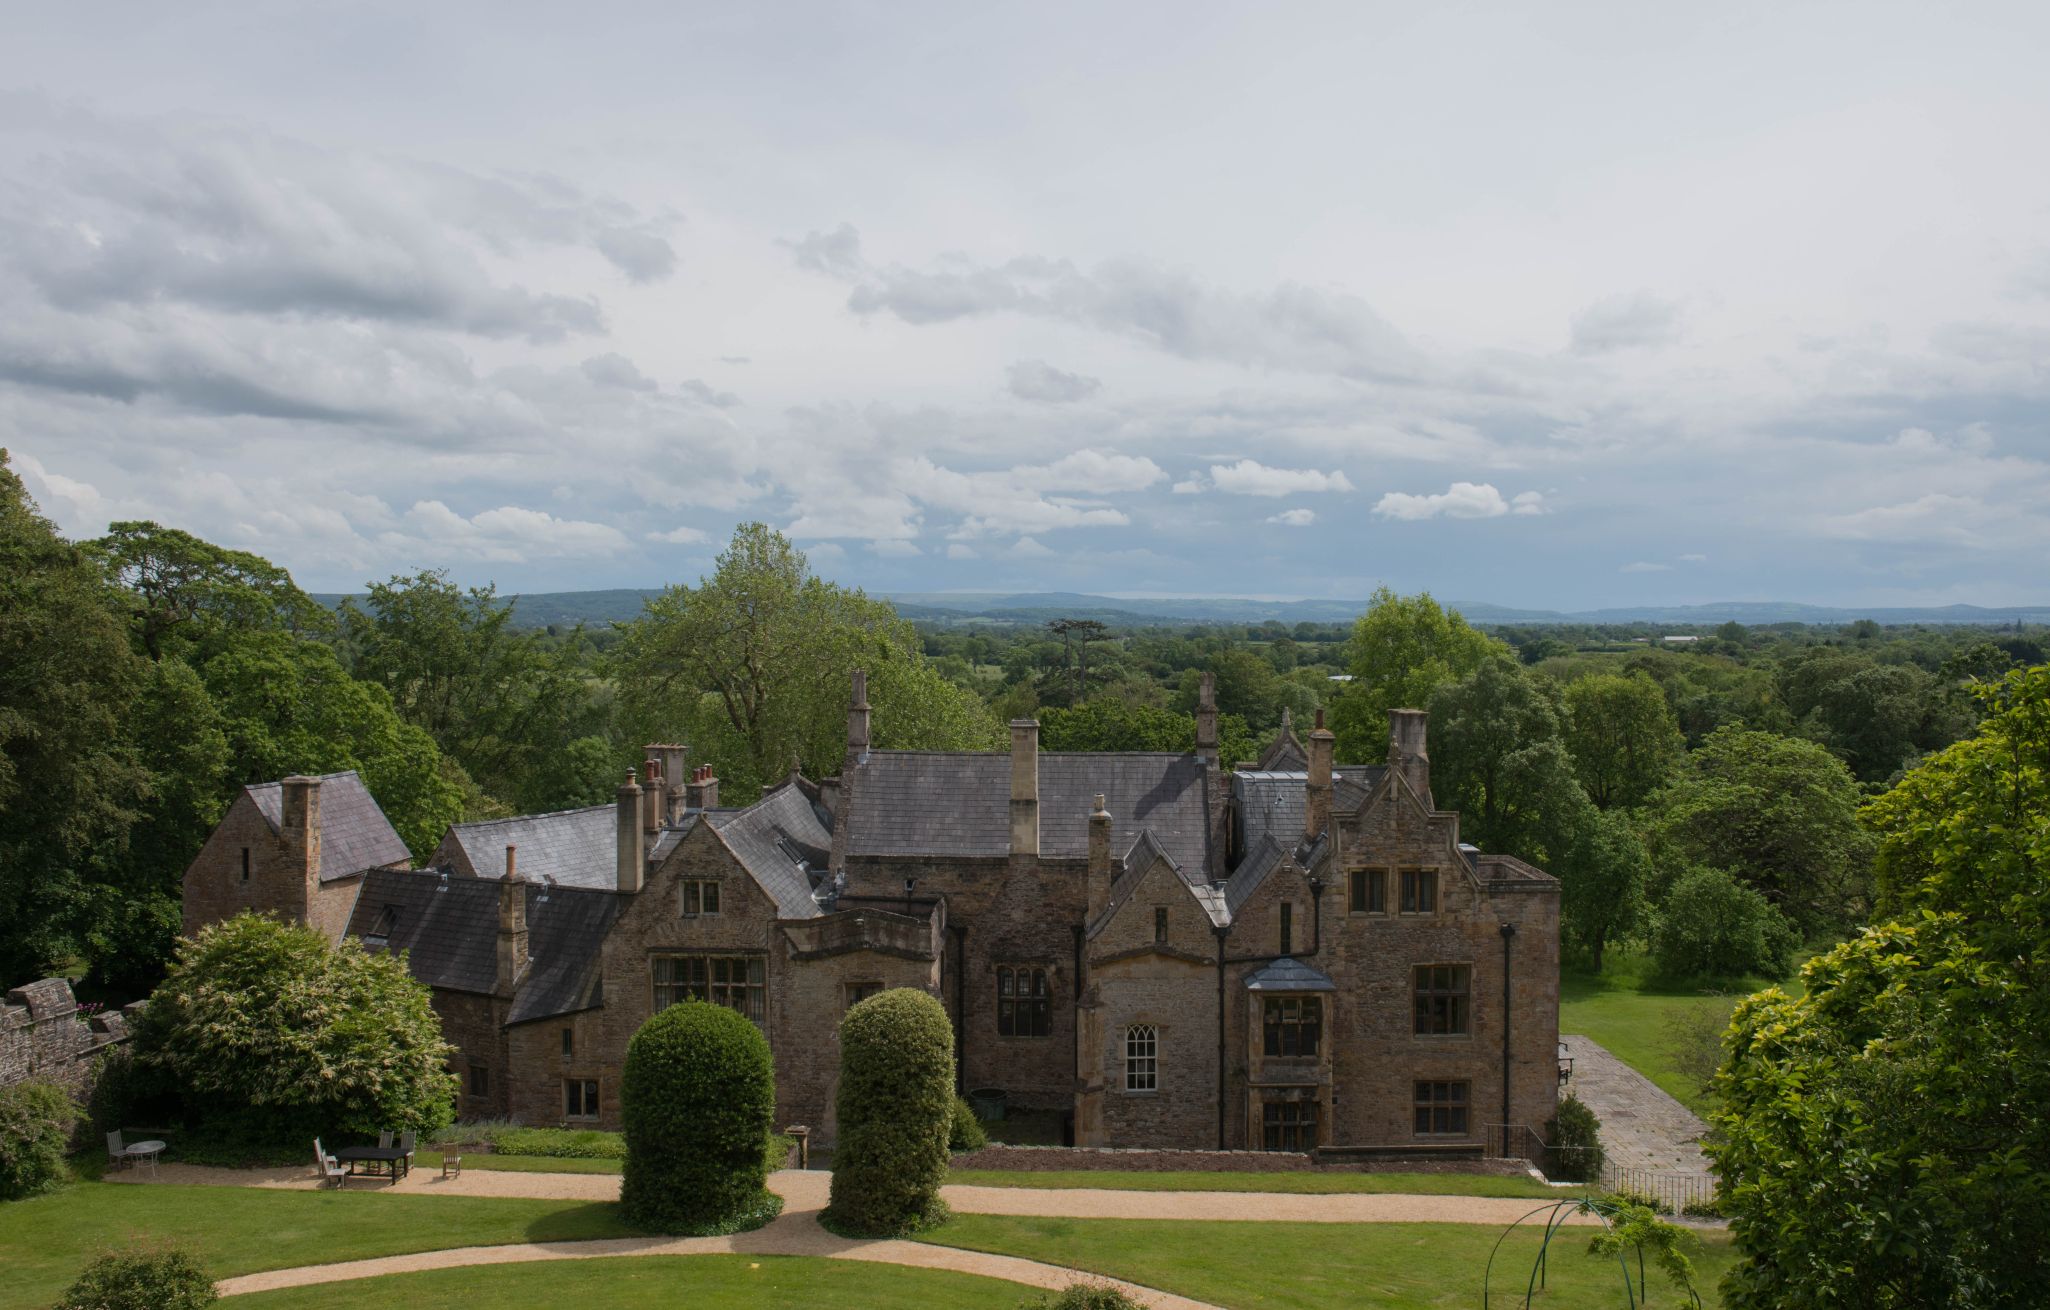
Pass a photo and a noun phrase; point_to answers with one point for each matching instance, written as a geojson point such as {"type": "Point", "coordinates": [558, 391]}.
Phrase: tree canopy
{"type": "Point", "coordinates": [1622, 735]}
{"type": "Point", "coordinates": [1403, 649]}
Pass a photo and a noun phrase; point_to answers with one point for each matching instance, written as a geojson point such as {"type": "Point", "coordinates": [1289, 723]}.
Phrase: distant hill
{"type": "Point", "coordinates": [595, 609]}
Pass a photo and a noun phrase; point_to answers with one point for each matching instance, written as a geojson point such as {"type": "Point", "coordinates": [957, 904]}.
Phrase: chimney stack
{"type": "Point", "coordinates": [1099, 858]}
{"type": "Point", "coordinates": [512, 928]}
{"type": "Point", "coordinates": [702, 792]}
{"type": "Point", "coordinates": [1317, 797]}
{"type": "Point", "coordinates": [1024, 786]}
{"type": "Point", "coordinates": [857, 720]}
{"type": "Point", "coordinates": [299, 829]}
{"type": "Point", "coordinates": [1407, 752]}
{"type": "Point", "coordinates": [1206, 719]}
{"type": "Point", "coordinates": [654, 796]}
{"type": "Point", "coordinates": [633, 858]}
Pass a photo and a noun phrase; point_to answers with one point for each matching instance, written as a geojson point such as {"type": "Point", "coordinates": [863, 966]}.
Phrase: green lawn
{"type": "Point", "coordinates": [1292, 1266]}
{"type": "Point", "coordinates": [521, 1164]}
{"type": "Point", "coordinates": [703, 1282]}
{"type": "Point", "coordinates": [1647, 1025]}
{"type": "Point", "coordinates": [237, 1230]}
{"type": "Point", "coordinates": [1314, 1183]}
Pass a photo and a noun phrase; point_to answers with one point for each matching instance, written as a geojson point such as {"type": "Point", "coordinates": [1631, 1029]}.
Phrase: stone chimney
{"type": "Point", "coordinates": [1407, 754]}
{"type": "Point", "coordinates": [654, 796]}
{"type": "Point", "coordinates": [299, 829]}
{"type": "Point", "coordinates": [857, 720]}
{"type": "Point", "coordinates": [1024, 786]}
{"type": "Point", "coordinates": [1317, 791]}
{"type": "Point", "coordinates": [633, 857]}
{"type": "Point", "coordinates": [1206, 719]}
{"type": "Point", "coordinates": [512, 928]}
{"type": "Point", "coordinates": [702, 791]}
{"type": "Point", "coordinates": [673, 759]}
{"type": "Point", "coordinates": [1099, 858]}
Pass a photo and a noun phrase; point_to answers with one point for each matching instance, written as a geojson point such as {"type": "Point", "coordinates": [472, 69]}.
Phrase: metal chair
{"type": "Point", "coordinates": [117, 1151]}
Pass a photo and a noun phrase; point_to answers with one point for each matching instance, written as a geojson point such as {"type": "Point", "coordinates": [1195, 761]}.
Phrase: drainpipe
{"type": "Point", "coordinates": [1508, 935]}
{"type": "Point", "coordinates": [1221, 932]}
{"type": "Point", "coordinates": [960, 1008]}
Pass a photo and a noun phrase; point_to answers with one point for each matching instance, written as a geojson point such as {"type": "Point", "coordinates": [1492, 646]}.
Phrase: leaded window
{"type": "Point", "coordinates": [1289, 1125]}
{"type": "Point", "coordinates": [736, 981]}
{"type": "Point", "coordinates": [1369, 891]}
{"type": "Point", "coordinates": [1142, 1058]}
{"type": "Point", "coordinates": [580, 1098]}
{"type": "Point", "coordinates": [1419, 891]}
{"type": "Point", "coordinates": [700, 897]}
{"type": "Point", "coordinates": [1441, 1109]}
{"type": "Point", "coordinates": [1024, 1004]}
{"type": "Point", "coordinates": [1444, 1001]}
{"type": "Point", "coordinates": [1293, 1025]}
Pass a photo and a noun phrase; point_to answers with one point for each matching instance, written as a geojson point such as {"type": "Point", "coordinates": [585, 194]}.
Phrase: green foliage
{"type": "Point", "coordinates": [697, 1097]}
{"type": "Point", "coordinates": [1081, 1296]}
{"type": "Point", "coordinates": [1573, 1139]}
{"type": "Point", "coordinates": [36, 1120]}
{"type": "Point", "coordinates": [271, 1035]}
{"type": "Point", "coordinates": [1883, 1138]}
{"type": "Point", "coordinates": [896, 1107]}
{"type": "Point", "coordinates": [560, 1143]}
{"type": "Point", "coordinates": [1603, 884]}
{"type": "Point", "coordinates": [1638, 1229]}
{"type": "Point", "coordinates": [965, 1132]}
{"type": "Point", "coordinates": [1109, 724]}
{"type": "Point", "coordinates": [1780, 814]}
{"type": "Point", "coordinates": [151, 1278]}
{"type": "Point", "coordinates": [188, 598]}
{"type": "Point", "coordinates": [1622, 736]}
{"type": "Point", "coordinates": [1403, 649]}
{"type": "Point", "coordinates": [1873, 716]}
{"type": "Point", "coordinates": [1712, 926]}
{"type": "Point", "coordinates": [1497, 757]}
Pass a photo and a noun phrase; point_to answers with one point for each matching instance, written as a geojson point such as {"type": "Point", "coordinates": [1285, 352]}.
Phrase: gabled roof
{"type": "Point", "coordinates": [566, 928]}
{"type": "Point", "coordinates": [576, 848]}
{"type": "Point", "coordinates": [959, 803]}
{"type": "Point", "coordinates": [1265, 856]}
{"type": "Point", "coordinates": [780, 841]}
{"type": "Point", "coordinates": [354, 834]}
{"type": "Point", "coordinates": [1290, 975]}
{"type": "Point", "coordinates": [1286, 750]}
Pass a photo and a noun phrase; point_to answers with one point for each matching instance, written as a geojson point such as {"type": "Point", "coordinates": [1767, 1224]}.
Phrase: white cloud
{"type": "Point", "coordinates": [508, 534]}
{"type": "Point", "coordinates": [960, 550]}
{"type": "Point", "coordinates": [1527, 503]}
{"type": "Point", "coordinates": [1027, 548]}
{"type": "Point", "coordinates": [1645, 566]}
{"type": "Point", "coordinates": [1462, 500]}
{"type": "Point", "coordinates": [1251, 478]}
{"type": "Point", "coordinates": [684, 536]}
{"type": "Point", "coordinates": [1190, 486]}
{"type": "Point", "coordinates": [1037, 380]}
{"type": "Point", "coordinates": [893, 548]}
{"type": "Point", "coordinates": [1295, 518]}
{"type": "Point", "coordinates": [1934, 517]}
{"type": "Point", "coordinates": [1625, 322]}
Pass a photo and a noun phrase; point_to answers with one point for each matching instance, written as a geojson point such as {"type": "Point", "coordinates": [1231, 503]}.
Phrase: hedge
{"type": "Point", "coordinates": [697, 1097]}
{"type": "Point", "coordinates": [35, 1127]}
{"type": "Point", "coordinates": [896, 1111]}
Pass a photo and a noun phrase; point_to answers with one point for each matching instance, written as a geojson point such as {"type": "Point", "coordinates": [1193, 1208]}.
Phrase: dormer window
{"type": "Point", "coordinates": [380, 931]}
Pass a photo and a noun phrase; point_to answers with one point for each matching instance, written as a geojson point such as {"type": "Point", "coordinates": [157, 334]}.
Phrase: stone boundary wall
{"type": "Point", "coordinates": [44, 1038]}
{"type": "Point", "coordinates": [1041, 1158]}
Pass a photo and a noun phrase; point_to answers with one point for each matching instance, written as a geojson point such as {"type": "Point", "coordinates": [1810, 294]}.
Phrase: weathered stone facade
{"type": "Point", "coordinates": [44, 1038]}
{"type": "Point", "coordinates": [1296, 956]}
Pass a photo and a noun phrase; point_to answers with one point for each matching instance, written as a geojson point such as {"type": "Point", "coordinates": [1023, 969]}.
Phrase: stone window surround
{"type": "Point", "coordinates": [684, 889]}
{"type": "Point", "coordinates": [1367, 874]}
{"type": "Point", "coordinates": [1434, 884]}
{"type": "Point", "coordinates": [1142, 1059]}
{"type": "Point", "coordinates": [1023, 971]}
{"type": "Point", "coordinates": [588, 1087]}
{"type": "Point", "coordinates": [1433, 1098]}
{"type": "Point", "coordinates": [1463, 1011]}
{"type": "Point", "coordinates": [758, 991]}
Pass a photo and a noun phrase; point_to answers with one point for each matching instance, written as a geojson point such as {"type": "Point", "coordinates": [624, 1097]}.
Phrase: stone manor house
{"type": "Point", "coordinates": [1286, 956]}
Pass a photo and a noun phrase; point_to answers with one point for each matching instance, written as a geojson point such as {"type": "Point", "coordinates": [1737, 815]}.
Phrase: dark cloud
{"type": "Point", "coordinates": [1035, 379]}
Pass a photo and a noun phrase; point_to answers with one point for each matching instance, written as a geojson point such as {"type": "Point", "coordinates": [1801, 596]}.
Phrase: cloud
{"type": "Point", "coordinates": [1645, 566]}
{"type": "Point", "coordinates": [959, 550]}
{"type": "Point", "coordinates": [1037, 380]}
{"type": "Point", "coordinates": [643, 256]}
{"type": "Point", "coordinates": [1527, 503]}
{"type": "Point", "coordinates": [1252, 478]}
{"type": "Point", "coordinates": [1027, 548]}
{"type": "Point", "coordinates": [1462, 500]}
{"type": "Point", "coordinates": [837, 253]}
{"type": "Point", "coordinates": [508, 534]}
{"type": "Point", "coordinates": [1637, 320]}
{"type": "Point", "coordinates": [700, 391]}
{"type": "Point", "coordinates": [1935, 517]}
{"type": "Point", "coordinates": [613, 369]}
{"type": "Point", "coordinates": [1190, 486]}
{"type": "Point", "coordinates": [1295, 518]}
{"type": "Point", "coordinates": [893, 548]}
{"type": "Point", "coordinates": [684, 536]}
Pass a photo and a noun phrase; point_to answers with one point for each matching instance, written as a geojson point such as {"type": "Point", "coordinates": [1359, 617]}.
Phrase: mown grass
{"type": "Point", "coordinates": [44, 1242]}
{"type": "Point", "coordinates": [521, 1164]}
{"type": "Point", "coordinates": [1296, 1266]}
{"type": "Point", "coordinates": [704, 1282]}
{"type": "Point", "coordinates": [1294, 1183]}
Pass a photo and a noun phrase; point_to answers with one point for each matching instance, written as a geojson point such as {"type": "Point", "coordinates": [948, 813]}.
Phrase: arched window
{"type": "Point", "coordinates": [1024, 1003]}
{"type": "Point", "coordinates": [1142, 1058]}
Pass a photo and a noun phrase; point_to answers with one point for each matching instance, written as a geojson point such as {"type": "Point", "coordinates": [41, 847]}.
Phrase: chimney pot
{"type": "Point", "coordinates": [511, 869]}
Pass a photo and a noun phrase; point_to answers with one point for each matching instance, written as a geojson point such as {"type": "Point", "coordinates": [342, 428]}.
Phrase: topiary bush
{"type": "Point", "coordinates": [966, 1133]}
{"type": "Point", "coordinates": [163, 1278]}
{"type": "Point", "coordinates": [697, 1097]}
{"type": "Point", "coordinates": [35, 1127]}
{"type": "Point", "coordinates": [271, 1035]}
{"type": "Point", "coordinates": [896, 1111]}
{"type": "Point", "coordinates": [1574, 1153]}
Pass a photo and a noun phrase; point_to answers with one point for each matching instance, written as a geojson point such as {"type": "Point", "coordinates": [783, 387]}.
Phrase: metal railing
{"type": "Point", "coordinates": [1672, 1190]}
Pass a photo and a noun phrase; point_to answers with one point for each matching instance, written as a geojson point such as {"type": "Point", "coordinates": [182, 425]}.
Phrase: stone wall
{"type": "Point", "coordinates": [43, 1038]}
{"type": "Point", "coordinates": [247, 865]}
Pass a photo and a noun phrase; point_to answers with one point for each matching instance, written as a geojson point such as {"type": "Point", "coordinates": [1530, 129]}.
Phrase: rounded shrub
{"type": "Point", "coordinates": [697, 1097]}
{"type": "Point", "coordinates": [896, 1112]}
{"type": "Point", "coordinates": [163, 1278]}
{"type": "Point", "coordinates": [35, 1126]}
{"type": "Point", "coordinates": [1575, 1152]}
{"type": "Point", "coordinates": [966, 1133]}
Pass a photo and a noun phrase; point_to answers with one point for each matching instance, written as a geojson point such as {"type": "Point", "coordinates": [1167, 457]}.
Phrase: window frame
{"type": "Point", "coordinates": [702, 891]}
{"type": "Point", "coordinates": [1286, 914]}
{"type": "Point", "coordinates": [479, 1084]}
{"type": "Point", "coordinates": [1418, 886]}
{"type": "Point", "coordinates": [585, 1091]}
{"type": "Point", "coordinates": [857, 992]}
{"type": "Point", "coordinates": [245, 864]}
{"type": "Point", "coordinates": [752, 987]}
{"type": "Point", "coordinates": [1160, 929]}
{"type": "Point", "coordinates": [1024, 1002]}
{"type": "Point", "coordinates": [569, 1043]}
{"type": "Point", "coordinates": [1280, 1030]}
{"type": "Point", "coordinates": [1284, 1123]}
{"type": "Point", "coordinates": [1142, 1059]}
{"type": "Point", "coordinates": [1367, 892]}
{"type": "Point", "coordinates": [1441, 1000]}
{"type": "Point", "coordinates": [1449, 1100]}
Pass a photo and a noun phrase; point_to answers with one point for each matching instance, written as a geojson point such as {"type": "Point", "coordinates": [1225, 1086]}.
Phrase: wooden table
{"type": "Point", "coordinates": [392, 1158]}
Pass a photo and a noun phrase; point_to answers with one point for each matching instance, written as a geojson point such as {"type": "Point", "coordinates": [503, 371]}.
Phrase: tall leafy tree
{"type": "Point", "coordinates": [1403, 649]}
{"type": "Point", "coordinates": [1603, 881]}
{"type": "Point", "coordinates": [186, 596]}
{"type": "Point", "coordinates": [1622, 736]}
{"type": "Point", "coordinates": [1499, 758]}
{"type": "Point", "coordinates": [752, 666]}
{"type": "Point", "coordinates": [1884, 1139]}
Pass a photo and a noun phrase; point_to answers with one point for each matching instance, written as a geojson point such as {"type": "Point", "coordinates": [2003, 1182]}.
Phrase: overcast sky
{"type": "Point", "coordinates": [1546, 305]}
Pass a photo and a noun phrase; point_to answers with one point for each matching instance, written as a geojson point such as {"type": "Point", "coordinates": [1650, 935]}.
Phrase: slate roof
{"type": "Point", "coordinates": [1286, 750]}
{"type": "Point", "coordinates": [354, 834]}
{"type": "Point", "coordinates": [566, 929]}
{"type": "Point", "coordinates": [577, 848]}
{"type": "Point", "coordinates": [1260, 863]}
{"type": "Point", "coordinates": [1290, 975]}
{"type": "Point", "coordinates": [959, 803]}
{"type": "Point", "coordinates": [781, 842]}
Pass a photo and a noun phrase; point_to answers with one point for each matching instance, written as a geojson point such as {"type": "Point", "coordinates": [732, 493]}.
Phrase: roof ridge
{"type": "Point", "coordinates": [526, 818]}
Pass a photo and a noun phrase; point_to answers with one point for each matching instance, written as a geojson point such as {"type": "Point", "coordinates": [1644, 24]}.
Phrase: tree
{"type": "Point", "coordinates": [1403, 649]}
{"type": "Point", "coordinates": [1077, 635]}
{"type": "Point", "coordinates": [187, 596]}
{"type": "Point", "coordinates": [1883, 1138]}
{"type": "Point", "coordinates": [1622, 736]}
{"type": "Point", "coordinates": [1780, 814]}
{"type": "Point", "coordinates": [67, 785]}
{"type": "Point", "coordinates": [752, 668]}
{"type": "Point", "coordinates": [697, 1097]}
{"type": "Point", "coordinates": [1105, 724]}
{"type": "Point", "coordinates": [1603, 882]}
{"type": "Point", "coordinates": [268, 1034]}
{"type": "Point", "coordinates": [895, 1106]}
{"type": "Point", "coordinates": [1710, 925]}
{"type": "Point", "coordinates": [1497, 757]}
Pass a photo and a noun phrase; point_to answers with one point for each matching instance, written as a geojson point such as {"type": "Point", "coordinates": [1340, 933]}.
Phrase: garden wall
{"type": "Point", "coordinates": [44, 1037]}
